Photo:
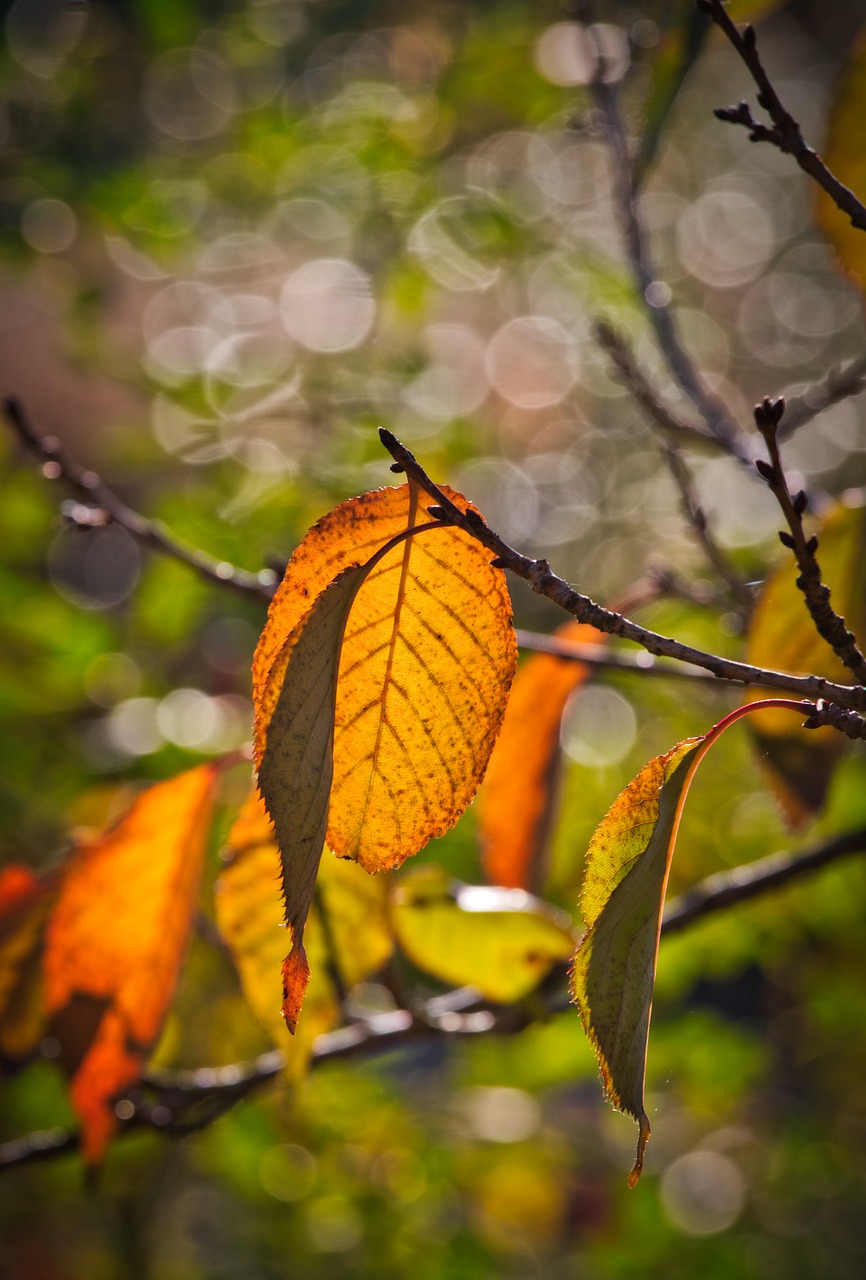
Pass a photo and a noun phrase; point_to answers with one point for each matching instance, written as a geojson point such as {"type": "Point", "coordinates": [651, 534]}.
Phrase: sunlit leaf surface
{"type": "Point", "coordinates": [116, 940]}
{"type": "Point", "coordinates": [427, 662]}
{"type": "Point", "coordinates": [350, 944]}
{"type": "Point", "coordinates": [502, 941]}
{"type": "Point", "coordinates": [517, 798]}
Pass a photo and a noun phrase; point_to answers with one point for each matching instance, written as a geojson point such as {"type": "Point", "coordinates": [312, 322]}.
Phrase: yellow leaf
{"type": "Point", "coordinates": [502, 941]}
{"type": "Point", "coordinates": [799, 763]}
{"type": "Point", "coordinates": [516, 799]}
{"type": "Point", "coordinates": [379, 690]}
{"type": "Point", "coordinates": [844, 155]}
{"type": "Point", "coordinates": [116, 940]}
{"type": "Point", "coordinates": [248, 911]}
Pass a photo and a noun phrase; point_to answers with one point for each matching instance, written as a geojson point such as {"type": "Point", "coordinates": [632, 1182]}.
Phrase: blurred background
{"type": "Point", "coordinates": [238, 237]}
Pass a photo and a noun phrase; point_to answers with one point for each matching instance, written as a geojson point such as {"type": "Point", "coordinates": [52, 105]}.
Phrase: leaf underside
{"type": "Point", "coordinates": [614, 967]}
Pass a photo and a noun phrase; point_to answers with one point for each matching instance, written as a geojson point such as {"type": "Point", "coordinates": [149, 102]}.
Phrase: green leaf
{"type": "Point", "coordinates": [612, 978]}
{"type": "Point", "coordinates": [625, 879]}
{"type": "Point", "coordinates": [502, 941]}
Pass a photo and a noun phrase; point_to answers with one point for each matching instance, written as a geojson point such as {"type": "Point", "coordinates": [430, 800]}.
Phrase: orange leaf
{"type": "Point", "coordinates": [516, 800]}
{"type": "Point", "coordinates": [25, 900]}
{"type": "Point", "coordinates": [116, 941]}
{"type": "Point", "coordinates": [389, 677]}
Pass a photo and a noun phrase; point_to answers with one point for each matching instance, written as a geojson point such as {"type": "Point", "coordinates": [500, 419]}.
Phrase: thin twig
{"type": "Point", "coordinates": [616, 347]}
{"type": "Point", "coordinates": [785, 133]}
{"type": "Point", "coordinates": [829, 625]}
{"type": "Point", "coordinates": [97, 497]}
{"type": "Point", "coordinates": [679, 363]}
{"type": "Point", "coordinates": [839, 385]}
{"type": "Point", "coordinates": [729, 888]}
{"type": "Point", "coordinates": [179, 1102]}
{"type": "Point", "coordinates": [596, 655]}
{"type": "Point", "coordinates": [542, 580]}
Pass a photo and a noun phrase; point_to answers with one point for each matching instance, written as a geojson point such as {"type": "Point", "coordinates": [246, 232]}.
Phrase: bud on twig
{"type": "Point", "coordinates": [765, 470]}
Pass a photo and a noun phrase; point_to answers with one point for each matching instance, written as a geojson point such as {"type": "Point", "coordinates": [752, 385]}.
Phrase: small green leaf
{"type": "Point", "coordinates": [623, 894]}
{"type": "Point", "coordinates": [502, 941]}
{"type": "Point", "coordinates": [627, 866]}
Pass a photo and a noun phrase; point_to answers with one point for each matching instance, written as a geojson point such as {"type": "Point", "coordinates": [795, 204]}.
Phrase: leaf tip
{"type": "Point", "coordinates": [642, 1139]}
{"type": "Point", "coordinates": [296, 975]}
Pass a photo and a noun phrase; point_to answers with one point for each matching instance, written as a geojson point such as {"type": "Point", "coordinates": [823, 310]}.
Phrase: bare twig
{"type": "Point", "coordinates": [679, 363]}
{"type": "Point", "coordinates": [729, 888]}
{"type": "Point", "coordinates": [616, 347]}
{"type": "Point", "coordinates": [839, 385]}
{"type": "Point", "coordinates": [101, 505]}
{"type": "Point", "coordinates": [828, 623]}
{"type": "Point", "coordinates": [539, 576]}
{"type": "Point", "coordinates": [784, 133]}
{"type": "Point", "coordinates": [180, 1102]}
{"type": "Point", "coordinates": [596, 655]}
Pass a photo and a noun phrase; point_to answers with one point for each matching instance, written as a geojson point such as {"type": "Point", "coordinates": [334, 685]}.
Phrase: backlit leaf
{"type": "Point", "coordinates": [799, 763]}
{"type": "Point", "coordinates": [624, 883]}
{"type": "Point", "coordinates": [393, 713]}
{"type": "Point", "coordinates": [356, 943]}
{"type": "Point", "coordinates": [502, 941]}
{"type": "Point", "coordinates": [844, 154]}
{"type": "Point", "coordinates": [517, 797]}
{"type": "Point", "coordinates": [294, 753]}
{"type": "Point", "coordinates": [116, 940]}
{"type": "Point", "coordinates": [25, 900]}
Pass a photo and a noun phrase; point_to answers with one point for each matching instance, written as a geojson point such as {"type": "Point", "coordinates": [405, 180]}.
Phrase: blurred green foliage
{"type": "Point", "coordinates": [236, 237]}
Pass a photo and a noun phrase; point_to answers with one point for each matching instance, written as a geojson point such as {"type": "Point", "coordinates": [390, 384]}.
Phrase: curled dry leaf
{"type": "Point", "coordinates": [116, 941]}
{"type": "Point", "coordinates": [353, 944]}
{"type": "Point", "coordinates": [518, 795]}
{"type": "Point", "coordinates": [380, 681]}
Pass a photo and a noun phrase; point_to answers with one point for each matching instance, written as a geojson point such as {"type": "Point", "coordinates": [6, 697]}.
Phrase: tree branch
{"type": "Point", "coordinates": [839, 385]}
{"type": "Point", "coordinates": [539, 576]}
{"type": "Point", "coordinates": [181, 1102]}
{"type": "Point", "coordinates": [100, 505]}
{"type": "Point", "coordinates": [785, 133]}
{"type": "Point", "coordinates": [682, 368]}
{"type": "Point", "coordinates": [730, 888]}
{"type": "Point", "coordinates": [829, 625]}
{"type": "Point", "coordinates": [596, 655]}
